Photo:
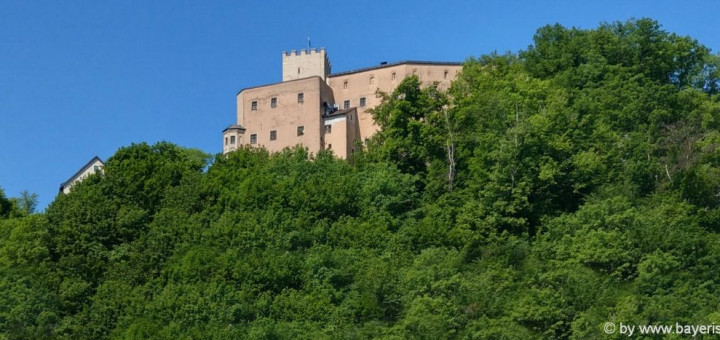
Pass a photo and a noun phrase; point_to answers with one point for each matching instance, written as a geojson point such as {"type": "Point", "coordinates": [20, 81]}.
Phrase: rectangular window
{"type": "Point", "coordinates": [300, 130]}
{"type": "Point", "coordinates": [346, 104]}
{"type": "Point", "coordinates": [362, 102]}
{"type": "Point", "coordinates": [225, 140]}
{"type": "Point", "coordinates": [273, 135]}
{"type": "Point", "coordinates": [253, 106]}
{"type": "Point", "coordinates": [232, 140]}
{"type": "Point", "coordinates": [253, 139]}
{"type": "Point", "coordinates": [328, 128]}
{"type": "Point", "coordinates": [301, 97]}
{"type": "Point", "coordinates": [273, 102]}
{"type": "Point", "coordinates": [96, 168]}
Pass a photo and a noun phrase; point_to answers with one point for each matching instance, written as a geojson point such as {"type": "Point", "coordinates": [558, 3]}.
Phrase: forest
{"type": "Point", "coordinates": [547, 192]}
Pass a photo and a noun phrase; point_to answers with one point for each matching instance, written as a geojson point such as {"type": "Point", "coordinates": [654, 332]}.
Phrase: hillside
{"type": "Point", "coordinates": [547, 193]}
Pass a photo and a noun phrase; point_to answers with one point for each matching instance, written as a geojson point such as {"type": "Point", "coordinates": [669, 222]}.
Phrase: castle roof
{"type": "Point", "coordinates": [277, 83]}
{"type": "Point", "coordinates": [340, 112]}
{"type": "Point", "coordinates": [234, 127]}
{"type": "Point", "coordinates": [408, 62]}
{"type": "Point", "coordinates": [364, 69]}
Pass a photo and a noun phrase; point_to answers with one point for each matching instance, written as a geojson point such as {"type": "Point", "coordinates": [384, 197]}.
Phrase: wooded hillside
{"type": "Point", "coordinates": [548, 192]}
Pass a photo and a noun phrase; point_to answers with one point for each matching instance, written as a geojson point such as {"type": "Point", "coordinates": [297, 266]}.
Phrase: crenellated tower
{"type": "Point", "coordinates": [305, 63]}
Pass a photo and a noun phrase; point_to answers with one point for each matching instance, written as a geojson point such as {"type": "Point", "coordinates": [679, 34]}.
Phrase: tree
{"type": "Point", "coordinates": [6, 205]}
{"type": "Point", "coordinates": [27, 202]}
{"type": "Point", "coordinates": [411, 121]}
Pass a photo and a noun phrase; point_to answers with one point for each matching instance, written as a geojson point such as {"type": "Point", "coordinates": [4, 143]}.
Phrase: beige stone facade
{"type": "Point", "coordinates": [318, 109]}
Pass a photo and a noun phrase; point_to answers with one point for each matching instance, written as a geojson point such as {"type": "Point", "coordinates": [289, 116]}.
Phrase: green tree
{"type": "Point", "coordinates": [27, 202]}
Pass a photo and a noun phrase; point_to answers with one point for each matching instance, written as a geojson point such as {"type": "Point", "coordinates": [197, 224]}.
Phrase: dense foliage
{"type": "Point", "coordinates": [546, 193]}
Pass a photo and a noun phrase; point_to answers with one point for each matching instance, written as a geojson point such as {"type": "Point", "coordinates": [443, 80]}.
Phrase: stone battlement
{"type": "Point", "coordinates": [306, 51]}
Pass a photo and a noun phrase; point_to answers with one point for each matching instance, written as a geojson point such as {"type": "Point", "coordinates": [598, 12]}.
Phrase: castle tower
{"type": "Point", "coordinates": [305, 63]}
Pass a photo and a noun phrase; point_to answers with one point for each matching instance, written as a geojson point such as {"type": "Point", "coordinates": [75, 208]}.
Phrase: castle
{"type": "Point", "coordinates": [318, 109]}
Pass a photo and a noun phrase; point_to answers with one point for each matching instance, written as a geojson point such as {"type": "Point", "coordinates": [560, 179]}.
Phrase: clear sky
{"type": "Point", "coordinates": [83, 78]}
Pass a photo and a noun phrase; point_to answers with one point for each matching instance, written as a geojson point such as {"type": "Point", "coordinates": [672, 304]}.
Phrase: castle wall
{"type": "Point", "coordinates": [364, 84]}
{"type": "Point", "coordinates": [287, 115]}
{"type": "Point", "coordinates": [340, 131]}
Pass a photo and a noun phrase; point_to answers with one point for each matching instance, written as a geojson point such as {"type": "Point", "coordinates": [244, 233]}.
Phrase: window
{"type": "Point", "coordinates": [446, 73]}
{"type": "Point", "coordinates": [329, 146]}
{"type": "Point", "coordinates": [328, 128]}
{"type": "Point", "coordinates": [346, 104]}
{"type": "Point", "coordinates": [232, 140]}
{"type": "Point", "coordinates": [226, 142]}
{"type": "Point", "coordinates": [300, 130]}
{"type": "Point", "coordinates": [345, 84]}
{"type": "Point", "coordinates": [362, 101]}
{"type": "Point", "coordinates": [372, 80]}
{"type": "Point", "coordinates": [96, 168]}
{"type": "Point", "coordinates": [253, 106]}
{"type": "Point", "coordinates": [273, 102]}
{"type": "Point", "coordinates": [273, 135]}
{"type": "Point", "coordinates": [393, 76]}
{"type": "Point", "coordinates": [301, 97]}
{"type": "Point", "coordinates": [253, 139]}
{"type": "Point", "coordinates": [298, 70]}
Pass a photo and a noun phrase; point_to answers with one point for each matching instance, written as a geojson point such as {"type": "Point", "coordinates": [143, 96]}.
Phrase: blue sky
{"type": "Point", "coordinates": [84, 78]}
